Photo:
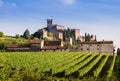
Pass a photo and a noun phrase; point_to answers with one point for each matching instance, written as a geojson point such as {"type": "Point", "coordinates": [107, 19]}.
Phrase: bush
{"type": "Point", "coordinates": [1, 34]}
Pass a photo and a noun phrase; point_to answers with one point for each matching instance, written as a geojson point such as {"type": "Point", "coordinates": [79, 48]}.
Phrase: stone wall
{"type": "Point", "coordinates": [76, 33]}
{"type": "Point", "coordinates": [101, 47]}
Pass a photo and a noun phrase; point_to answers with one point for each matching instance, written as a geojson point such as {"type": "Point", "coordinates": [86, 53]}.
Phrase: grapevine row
{"type": "Point", "coordinates": [80, 65]}
{"type": "Point", "coordinates": [66, 64]}
{"type": "Point", "coordinates": [65, 61]}
{"type": "Point", "coordinates": [53, 61]}
{"type": "Point", "coordinates": [23, 60]}
{"type": "Point", "coordinates": [109, 72]}
{"type": "Point", "coordinates": [98, 70]}
{"type": "Point", "coordinates": [85, 70]}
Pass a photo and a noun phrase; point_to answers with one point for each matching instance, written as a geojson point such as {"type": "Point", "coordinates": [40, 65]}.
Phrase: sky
{"type": "Point", "coordinates": [97, 17]}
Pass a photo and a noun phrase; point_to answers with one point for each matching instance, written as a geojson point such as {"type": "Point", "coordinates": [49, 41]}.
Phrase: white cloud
{"type": "Point", "coordinates": [68, 2]}
{"type": "Point", "coordinates": [7, 4]}
{"type": "Point", "coordinates": [10, 4]}
{"type": "Point", "coordinates": [13, 4]}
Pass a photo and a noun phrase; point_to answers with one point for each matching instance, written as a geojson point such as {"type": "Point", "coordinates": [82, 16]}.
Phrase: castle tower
{"type": "Point", "coordinates": [49, 22]}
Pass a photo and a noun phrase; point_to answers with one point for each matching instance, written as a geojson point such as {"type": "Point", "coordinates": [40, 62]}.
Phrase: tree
{"type": "Point", "coordinates": [50, 34]}
{"type": "Point", "coordinates": [26, 34]}
{"type": "Point", "coordinates": [1, 34]}
{"type": "Point", "coordinates": [17, 36]}
{"type": "Point", "coordinates": [118, 51]}
{"type": "Point", "coordinates": [37, 34]}
{"type": "Point", "coordinates": [85, 37]}
{"type": "Point", "coordinates": [95, 38]}
{"type": "Point", "coordinates": [68, 32]}
{"type": "Point", "coordinates": [89, 38]}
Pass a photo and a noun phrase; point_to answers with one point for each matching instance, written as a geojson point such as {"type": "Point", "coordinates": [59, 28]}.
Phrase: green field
{"type": "Point", "coordinates": [53, 66]}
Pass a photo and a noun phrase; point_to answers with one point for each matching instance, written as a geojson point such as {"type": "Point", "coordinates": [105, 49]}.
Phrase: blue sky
{"type": "Point", "coordinates": [99, 17]}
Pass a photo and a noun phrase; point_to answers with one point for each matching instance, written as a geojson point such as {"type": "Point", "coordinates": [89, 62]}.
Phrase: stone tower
{"type": "Point", "coordinates": [49, 22]}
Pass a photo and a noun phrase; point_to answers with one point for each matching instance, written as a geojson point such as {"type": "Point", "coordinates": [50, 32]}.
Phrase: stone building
{"type": "Point", "coordinates": [17, 47]}
{"type": "Point", "coordinates": [99, 46]}
{"type": "Point", "coordinates": [56, 29]}
{"type": "Point", "coordinates": [36, 45]}
{"type": "Point", "coordinates": [41, 45]}
{"type": "Point", "coordinates": [82, 38]}
{"type": "Point", "coordinates": [69, 40]}
{"type": "Point", "coordinates": [76, 33]}
{"type": "Point", "coordinates": [44, 33]}
{"type": "Point", "coordinates": [59, 32]}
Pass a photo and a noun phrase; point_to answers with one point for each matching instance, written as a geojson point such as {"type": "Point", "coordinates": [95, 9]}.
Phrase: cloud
{"type": "Point", "coordinates": [1, 3]}
{"type": "Point", "coordinates": [13, 4]}
{"type": "Point", "coordinates": [68, 2]}
{"type": "Point", "coordinates": [10, 5]}
{"type": "Point", "coordinates": [7, 4]}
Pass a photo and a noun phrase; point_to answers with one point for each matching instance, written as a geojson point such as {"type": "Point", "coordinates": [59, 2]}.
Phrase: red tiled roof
{"type": "Point", "coordinates": [16, 45]}
{"type": "Point", "coordinates": [53, 47]}
{"type": "Point", "coordinates": [96, 42]}
{"type": "Point", "coordinates": [35, 41]}
{"type": "Point", "coordinates": [52, 43]}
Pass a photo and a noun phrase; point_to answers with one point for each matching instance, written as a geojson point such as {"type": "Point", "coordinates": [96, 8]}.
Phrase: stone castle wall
{"type": "Point", "coordinates": [101, 47]}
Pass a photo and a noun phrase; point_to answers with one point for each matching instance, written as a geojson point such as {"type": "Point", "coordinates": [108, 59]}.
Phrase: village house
{"type": "Point", "coordinates": [38, 45]}
{"type": "Point", "coordinates": [54, 46]}
{"type": "Point", "coordinates": [17, 47]}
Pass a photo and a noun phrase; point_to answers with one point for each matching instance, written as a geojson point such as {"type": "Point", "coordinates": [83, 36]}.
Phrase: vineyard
{"type": "Point", "coordinates": [37, 66]}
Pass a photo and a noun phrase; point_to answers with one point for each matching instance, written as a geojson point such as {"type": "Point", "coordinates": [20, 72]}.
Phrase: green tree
{"type": "Point", "coordinates": [68, 32]}
{"type": "Point", "coordinates": [95, 38]}
{"type": "Point", "coordinates": [118, 51]}
{"type": "Point", "coordinates": [89, 38]}
{"type": "Point", "coordinates": [17, 36]}
{"type": "Point", "coordinates": [50, 34]}
{"type": "Point", "coordinates": [26, 34]}
{"type": "Point", "coordinates": [1, 34]}
{"type": "Point", "coordinates": [85, 37]}
{"type": "Point", "coordinates": [37, 34]}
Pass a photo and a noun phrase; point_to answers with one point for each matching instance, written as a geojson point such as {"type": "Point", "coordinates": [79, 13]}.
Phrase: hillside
{"type": "Point", "coordinates": [35, 66]}
{"type": "Point", "coordinates": [4, 41]}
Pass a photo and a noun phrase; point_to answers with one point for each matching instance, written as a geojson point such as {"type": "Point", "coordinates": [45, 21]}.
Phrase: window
{"type": "Point", "coordinates": [87, 48]}
{"type": "Point", "coordinates": [81, 48]}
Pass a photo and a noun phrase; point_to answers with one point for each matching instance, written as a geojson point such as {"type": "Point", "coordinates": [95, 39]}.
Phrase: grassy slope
{"type": "Point", "coordinates": [11, 40]}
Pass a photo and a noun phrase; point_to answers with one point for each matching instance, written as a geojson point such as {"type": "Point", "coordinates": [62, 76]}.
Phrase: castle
{"type": "Point", "coordinates": [58, 31]}
{"type": "Point", "coordinates": [82, 45]}
{"type": "Point", "coordinates": [57, 34]}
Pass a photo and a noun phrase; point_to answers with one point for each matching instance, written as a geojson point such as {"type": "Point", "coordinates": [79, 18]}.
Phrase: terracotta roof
{"type": "Point", "coordinates": [53, 47]}
{"type": "Point", "coordinates": [96, 42]}
{"type": "Point", "coordinates": [35, 41]}
{"type": "Point", "coordinates": [16, 45]}
{"type": "Point", "coordinates": [18, 48]}
{"type": "Point", "coordinates": [52, 43]}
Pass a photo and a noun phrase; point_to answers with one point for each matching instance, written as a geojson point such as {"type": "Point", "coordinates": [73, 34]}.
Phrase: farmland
{"type": "Point", "coordinates": [36, 66]}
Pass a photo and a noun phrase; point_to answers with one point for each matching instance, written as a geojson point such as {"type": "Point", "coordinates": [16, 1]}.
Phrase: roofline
{"type": "Point", "coordinates": [97, 42]}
